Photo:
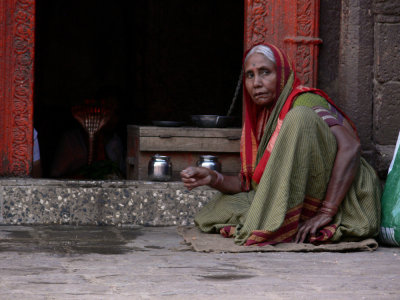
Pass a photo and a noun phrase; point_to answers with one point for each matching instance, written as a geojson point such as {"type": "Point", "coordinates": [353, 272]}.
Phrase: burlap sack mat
{"type": "Point", "coordinates": [205, 242]}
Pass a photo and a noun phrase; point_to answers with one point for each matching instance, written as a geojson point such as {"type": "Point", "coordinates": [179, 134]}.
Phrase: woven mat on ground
{"type": "Point", "coordinates": [205, 242]}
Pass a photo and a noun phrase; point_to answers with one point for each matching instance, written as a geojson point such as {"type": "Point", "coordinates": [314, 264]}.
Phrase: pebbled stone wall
{"type": "Point", "coordinates": [33, 201]}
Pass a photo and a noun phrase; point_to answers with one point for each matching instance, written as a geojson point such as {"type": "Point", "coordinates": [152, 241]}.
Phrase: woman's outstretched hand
{"type": "Point", "coordinates": [193, 177]}
{"type": "Point", "coordinates": [310, 227]}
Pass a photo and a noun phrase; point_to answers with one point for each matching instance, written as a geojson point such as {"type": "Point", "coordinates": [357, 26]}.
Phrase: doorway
{"type": "Point", "coordinates": [160, 60]}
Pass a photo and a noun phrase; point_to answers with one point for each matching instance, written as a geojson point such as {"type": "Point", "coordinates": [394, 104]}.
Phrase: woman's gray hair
{"type": "Point", "coordinates": [264, 50]}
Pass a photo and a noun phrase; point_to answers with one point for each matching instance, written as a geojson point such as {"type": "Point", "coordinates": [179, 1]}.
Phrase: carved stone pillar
{"type": "Point", "coordinates": [17, 19]}
{"type": "Point", "coordinates": [291, 25]}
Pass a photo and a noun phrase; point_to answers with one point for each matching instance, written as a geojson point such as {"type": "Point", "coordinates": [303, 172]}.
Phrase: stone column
{"type": "Point", "coordinates": [355, 88]}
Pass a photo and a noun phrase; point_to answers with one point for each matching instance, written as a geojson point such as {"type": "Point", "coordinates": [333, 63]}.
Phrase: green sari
{"type": "Point", "coordinates": [293, 186]}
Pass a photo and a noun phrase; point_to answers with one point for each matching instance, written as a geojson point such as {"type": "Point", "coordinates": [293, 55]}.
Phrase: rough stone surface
{"type": "Point", "coordinates": [386, 125]}
{"type": "Point", "coordinates": [104, 262]}
{"type": "Point", "coordinates": [388, 7]}
{"type": "Point", "coordinates": [384, 156]}
{"type": "Point", "coordinates": [328, 58]}
{"type": "Point", "coordinates": [356, 55]}
{"type": "Point", "coordinates": [387, 61]}
{"type": "Point", "coordinates": [387, 112]}
{"type": "Point", "coordinates": [387, 19]}
{"type": "Point", "coordinates": [27, 201]}
{"type": "Point", "coordinates": [359, 62]}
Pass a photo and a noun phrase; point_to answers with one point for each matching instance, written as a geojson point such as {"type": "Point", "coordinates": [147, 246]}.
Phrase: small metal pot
{"type": "Point", "coordinates": [209, 161]}
{"type": "Point", "coordinates": [160, 168]}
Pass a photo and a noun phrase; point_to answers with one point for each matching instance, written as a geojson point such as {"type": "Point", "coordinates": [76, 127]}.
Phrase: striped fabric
{"type": "Point", "coordinates": [283, 106]}
{"type": "Point", "coordinates": [286, 166]}
{"type": "Point", "coordinates": [299, 166]}
{"type": "Point", "coordinates": [328, 116]}
{"type": "Point", "coordinates": [323, 108]}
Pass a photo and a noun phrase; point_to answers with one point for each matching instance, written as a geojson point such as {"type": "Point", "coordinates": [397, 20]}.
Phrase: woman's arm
{"type": "Point", "coordinates": [193, 177]}
{"type": "Point", "coordinates": [344, 170]}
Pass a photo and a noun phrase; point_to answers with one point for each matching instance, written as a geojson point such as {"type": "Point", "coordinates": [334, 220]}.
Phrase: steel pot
{"type": "Point", "coordinates": [160, 168]}
{"type": "Point", "coordinates": [209, 161]}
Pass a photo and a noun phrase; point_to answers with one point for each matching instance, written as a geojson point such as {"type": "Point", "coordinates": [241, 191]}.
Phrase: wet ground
{"type": "Point", "coordinates": [132, 262]}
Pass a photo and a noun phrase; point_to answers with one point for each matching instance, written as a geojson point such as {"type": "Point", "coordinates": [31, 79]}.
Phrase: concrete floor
{"type": "Point", "coordinates": [132, 262]}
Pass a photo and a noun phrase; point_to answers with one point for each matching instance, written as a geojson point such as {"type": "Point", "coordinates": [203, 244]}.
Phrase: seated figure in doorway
{"type": "Point", "coordinates": [107, 160]}
{"type": "Point", "coordinates": [302, 177]}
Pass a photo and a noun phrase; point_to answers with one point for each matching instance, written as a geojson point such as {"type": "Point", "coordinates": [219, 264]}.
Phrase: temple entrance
{"type": "Point", "coordinates": [73, 49]}
{"type": "Point", "coordinates": [153, 60]}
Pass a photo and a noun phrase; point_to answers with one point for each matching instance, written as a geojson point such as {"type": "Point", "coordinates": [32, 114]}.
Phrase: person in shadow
{"type": "Point", "coordinates": [107, 158]}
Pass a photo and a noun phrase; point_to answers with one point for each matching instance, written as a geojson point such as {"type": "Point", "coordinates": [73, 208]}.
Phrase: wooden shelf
{"type": "Point", "coordinates": [183, 145]}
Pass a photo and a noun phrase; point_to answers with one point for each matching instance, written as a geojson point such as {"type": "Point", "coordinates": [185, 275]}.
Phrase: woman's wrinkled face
{"type": "Point", "coordinates": [260, 79]}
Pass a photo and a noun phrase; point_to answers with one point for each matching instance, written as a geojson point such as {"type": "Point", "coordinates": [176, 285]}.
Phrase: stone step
{"type": "Point", "coordinates": [78, 202]}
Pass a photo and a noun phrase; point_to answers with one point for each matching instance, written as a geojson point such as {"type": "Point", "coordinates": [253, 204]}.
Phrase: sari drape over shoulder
{"type": "Point", "coordinates": [285, 172]}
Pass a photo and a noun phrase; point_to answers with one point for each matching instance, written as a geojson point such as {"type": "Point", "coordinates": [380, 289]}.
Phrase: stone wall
{"type": "Point", "coordinates": [355, 68]}
{"type": "Point", "coordinates": [346, 63]}
{"type": "Point", "coordinates": [386, 112]}
{"type": "Point", "coordinates": [359, 68]}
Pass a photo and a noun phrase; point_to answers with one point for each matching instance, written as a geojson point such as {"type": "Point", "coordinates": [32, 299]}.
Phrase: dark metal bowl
{"type": "Point", "coordinates": [212, 121]}
{"type": "Point", "coordinates": [168, 123]}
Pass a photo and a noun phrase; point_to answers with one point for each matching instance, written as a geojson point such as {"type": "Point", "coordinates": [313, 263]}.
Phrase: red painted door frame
{"type": "Point", "coordinates": [17, 19]}
{"type": "Point", "coordinates": [290, 24]}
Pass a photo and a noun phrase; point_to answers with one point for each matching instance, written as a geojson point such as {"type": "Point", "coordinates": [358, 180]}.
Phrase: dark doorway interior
{"type": "Point", "coordinates": [162, 60]}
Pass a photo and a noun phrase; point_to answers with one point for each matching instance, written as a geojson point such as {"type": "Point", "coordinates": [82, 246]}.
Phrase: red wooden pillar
{"type": "Point", "coordinates": [17, 18]}
{"type": "Point", "coordinates": [290, 24]}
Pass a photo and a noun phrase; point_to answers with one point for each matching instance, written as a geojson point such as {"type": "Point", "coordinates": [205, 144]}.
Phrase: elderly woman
{"type": "Point", "coordinates": [302, 177]}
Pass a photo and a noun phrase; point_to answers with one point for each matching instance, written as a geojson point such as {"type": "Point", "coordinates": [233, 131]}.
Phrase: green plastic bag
{"type": "Point", "coordinates": [390, 226]}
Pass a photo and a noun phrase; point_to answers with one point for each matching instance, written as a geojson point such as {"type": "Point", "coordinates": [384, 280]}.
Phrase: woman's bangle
{"type": "Point", "coordinates": [218, 180]}
{"type": "Point", "coordinates": [330, 210]}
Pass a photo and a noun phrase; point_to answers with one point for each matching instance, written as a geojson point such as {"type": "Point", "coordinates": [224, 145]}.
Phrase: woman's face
{"type": "Point", "coordinates": [260, 79]}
